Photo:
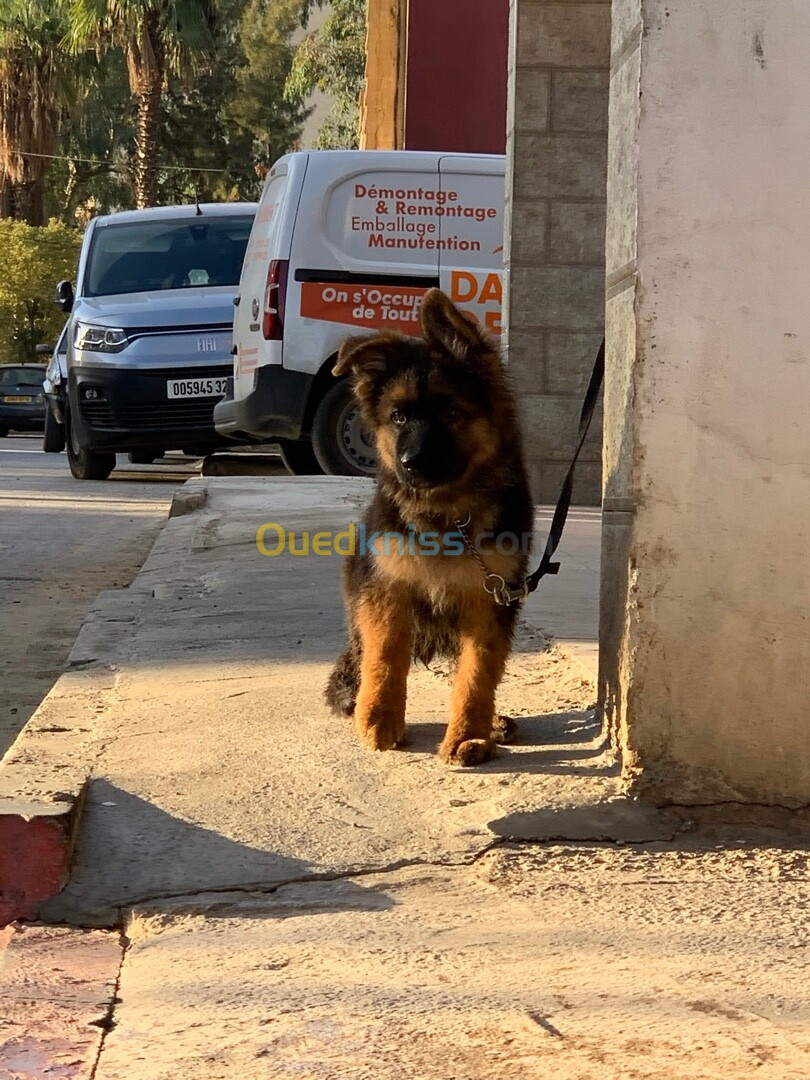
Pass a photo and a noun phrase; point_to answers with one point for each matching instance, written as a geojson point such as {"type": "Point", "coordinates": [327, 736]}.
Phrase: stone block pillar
{"type": "Point", "coordinates": [705, 636]}
{"type": "Point", "coordinates": [555, 227]}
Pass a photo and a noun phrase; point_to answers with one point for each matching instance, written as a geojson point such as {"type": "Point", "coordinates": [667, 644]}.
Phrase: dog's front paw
{"type": "Point", "coordinates": [467, 752]}
{"type": "Point", "coordinates": [380, 729]}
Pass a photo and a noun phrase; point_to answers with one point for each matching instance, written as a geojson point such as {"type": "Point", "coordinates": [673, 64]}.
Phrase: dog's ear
{"type": "Point", "coordinates": [370, 361]}
{"type": "Point", "coordinates": [444, 327]}
{"type": "Point", "coordinates": [358, 355]}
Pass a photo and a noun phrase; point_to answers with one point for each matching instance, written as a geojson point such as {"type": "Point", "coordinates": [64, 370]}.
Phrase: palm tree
{"type": "Point", "coordinates": [157, 36]}
{"type": "Point", "coordinates": [33, 91]}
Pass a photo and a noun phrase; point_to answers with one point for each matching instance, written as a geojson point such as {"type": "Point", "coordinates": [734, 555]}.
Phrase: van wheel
{"type": "Point", "coordinates": [339, 437]}
{"type": "Point", "coordinates": [53, 437]}
{"type": "Point", "coordinates": [86, 464]}
{"type": "Point", "coordinates": [299, 458]}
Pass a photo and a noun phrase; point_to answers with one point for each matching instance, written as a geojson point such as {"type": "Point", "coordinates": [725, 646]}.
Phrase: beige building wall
{"type": "Point", "coordinates": [555, 228]}
{"type": "Point", "coordinates": [706, 601]}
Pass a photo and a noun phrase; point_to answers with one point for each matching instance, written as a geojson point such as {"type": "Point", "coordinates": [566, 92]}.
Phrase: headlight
{"type": "Point", "coordinates": [98, 338]}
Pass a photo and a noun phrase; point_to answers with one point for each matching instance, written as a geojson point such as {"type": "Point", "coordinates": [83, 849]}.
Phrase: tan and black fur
{"type": "Point", "coordinates": [448, 450]}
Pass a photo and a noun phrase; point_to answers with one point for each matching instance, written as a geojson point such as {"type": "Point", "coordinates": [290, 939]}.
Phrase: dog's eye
{"type": "Point", "coordinates": [398, 418]}
{"type": "Point", "coordinates": [451, 414]}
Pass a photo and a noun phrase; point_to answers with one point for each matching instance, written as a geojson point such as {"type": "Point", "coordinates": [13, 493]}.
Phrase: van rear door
{"type": "Point", "coordinates": [268, 252]}
{"type": "Point", "coordinates": [471, 255]}
{"type": "Point", "coordinates": [365, 249]}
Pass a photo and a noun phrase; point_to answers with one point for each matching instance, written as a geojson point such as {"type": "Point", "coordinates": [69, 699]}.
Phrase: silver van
{"type": "Point", "coordinates": [147, 346]}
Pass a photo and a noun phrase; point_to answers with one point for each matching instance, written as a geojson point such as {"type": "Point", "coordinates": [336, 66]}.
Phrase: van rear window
{"type": "Point", "coordinates": [152, 256]}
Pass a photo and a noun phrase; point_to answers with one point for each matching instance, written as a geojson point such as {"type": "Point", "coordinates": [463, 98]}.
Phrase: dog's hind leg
{"type": "Point", "coordinates": [504, 729]}
{"type": "Point", "coordinates": [341, 689]}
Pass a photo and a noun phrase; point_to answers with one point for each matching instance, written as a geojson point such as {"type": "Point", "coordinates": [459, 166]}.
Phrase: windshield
{"type": "Point", "coordinates": [22, 376]}
{"type": "Point", "coordinates": [148, 256]}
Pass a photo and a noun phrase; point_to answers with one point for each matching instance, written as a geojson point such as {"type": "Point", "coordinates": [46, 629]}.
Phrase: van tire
{"type": "Point", "coordinates": [53, 435]}
{"type": "Point", "coordinates": [86, 464]}
{"type": "Point", "coordinates": [337, 435]}
{"type": "Point", "coordinates": [299, 457]}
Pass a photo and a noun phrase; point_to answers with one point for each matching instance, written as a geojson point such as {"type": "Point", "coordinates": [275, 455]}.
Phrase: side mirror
{"type": "Point", "coordinates": [64, 296]}
{"type": "Point", "coordinates": [43, 350]}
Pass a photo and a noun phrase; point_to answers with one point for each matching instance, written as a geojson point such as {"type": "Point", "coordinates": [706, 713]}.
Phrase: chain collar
{"type": "Point", "coordinates": [504, 595]}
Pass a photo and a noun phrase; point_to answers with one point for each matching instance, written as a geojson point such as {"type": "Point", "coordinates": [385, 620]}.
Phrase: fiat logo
{"type": "Point", "coordinates": [254, 309]}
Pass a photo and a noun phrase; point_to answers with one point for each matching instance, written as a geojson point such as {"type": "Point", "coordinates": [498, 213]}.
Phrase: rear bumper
{"type": "Point", "coordinates": [56, 403]}
{"type": "Point", "coordinates": [23, 416]}
{"type": "Point", "coordinates": [273, 410]}
{"type": "Point", "coordinates": [128, 409]}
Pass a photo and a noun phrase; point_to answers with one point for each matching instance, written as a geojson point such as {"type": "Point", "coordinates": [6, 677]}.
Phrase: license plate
{"type": "Point", "coordinates": [186, 388]}
{"type": "Point", "coordinates": [17, 398]}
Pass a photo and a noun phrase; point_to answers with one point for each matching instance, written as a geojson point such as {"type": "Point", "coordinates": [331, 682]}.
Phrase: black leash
{"type": "Point", "coordinates": [502, 593]}
{"type": "Point", "coordinates": [563, 503]}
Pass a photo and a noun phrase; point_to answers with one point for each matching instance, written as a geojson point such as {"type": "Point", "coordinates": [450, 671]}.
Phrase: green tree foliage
{"type": "Point", "coordinates": [107, 104]}
{"type": "Point", "coordinates": [92, 173]}
{"type": "Point", "coordinates": [34, 90]}
{"type": "Point", "coordinates": [239, 105]}
{"type": "Point", "coordinates": [332, 59]}
{"type": "Point", "coordinates": [157, 36]}
{"type": "Point", "coordinates": [259, 107]}
{"type": "Point", "coordinates": [34, 259]}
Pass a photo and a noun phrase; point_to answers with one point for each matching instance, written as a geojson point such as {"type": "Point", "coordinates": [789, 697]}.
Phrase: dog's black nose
{"type": "Point", "coordinates": [410, 457]}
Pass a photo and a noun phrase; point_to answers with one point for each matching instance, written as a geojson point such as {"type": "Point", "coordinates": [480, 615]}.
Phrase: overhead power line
{"type": "Point", "coordinates": [113, 166]}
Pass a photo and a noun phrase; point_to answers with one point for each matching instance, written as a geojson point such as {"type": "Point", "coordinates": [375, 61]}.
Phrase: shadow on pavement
{"type": "Point", "coordinates": [138, 843]}
{"type": "Point", "coordinates": [547, 735]}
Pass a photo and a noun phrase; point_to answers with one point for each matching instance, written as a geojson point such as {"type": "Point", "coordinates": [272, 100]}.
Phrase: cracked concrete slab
{"type": "Point", "coordinates": [562, 961]}
{"type": "Point", "coordinates": [58, 989]}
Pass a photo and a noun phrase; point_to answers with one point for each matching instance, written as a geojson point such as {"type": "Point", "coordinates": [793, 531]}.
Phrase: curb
{"type": "Point", "coordinates": [43, 781]}
{"type": "Point", "coordinates": [192, 496]}
{"type": "Point", "coordinates": [44, 774]}
{"type": "Point", "coordinates": [243, 465]}
{"type": "Point", "coordinates": [36, 847]}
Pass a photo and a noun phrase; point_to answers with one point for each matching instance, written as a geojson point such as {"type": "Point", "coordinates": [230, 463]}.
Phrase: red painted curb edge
{"type": "Point", "coordinates": [35, 857]}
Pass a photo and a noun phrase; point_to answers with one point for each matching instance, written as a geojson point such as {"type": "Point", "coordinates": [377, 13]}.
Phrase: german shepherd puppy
{"type": "Point", "coordinates": [449, 465]}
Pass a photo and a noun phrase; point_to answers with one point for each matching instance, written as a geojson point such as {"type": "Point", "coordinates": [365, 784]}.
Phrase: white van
{"type": "Point", "coordinates": [347, 241]}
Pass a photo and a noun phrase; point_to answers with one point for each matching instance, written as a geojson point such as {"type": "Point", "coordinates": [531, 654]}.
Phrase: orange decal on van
{"type": "Point", "coordinates": [466, 287]}
{"type": "Point", "coordinates": [247, 360]}
{"type": "Point", "coordinates": [372, 307]}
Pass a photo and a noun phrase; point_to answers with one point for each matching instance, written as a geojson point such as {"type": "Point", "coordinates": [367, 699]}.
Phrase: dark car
{"type": "Point", "coordinates": [22, 402]}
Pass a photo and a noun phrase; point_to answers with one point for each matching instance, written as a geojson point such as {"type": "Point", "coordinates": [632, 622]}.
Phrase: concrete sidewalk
{"type": "Point", "coordinates": [295, 905]}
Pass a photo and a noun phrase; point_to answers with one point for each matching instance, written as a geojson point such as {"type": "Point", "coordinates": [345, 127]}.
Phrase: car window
{"type": "Point", "coordinates": [21, 376]}
{"type": "Point", "coordinates": [146, 256]}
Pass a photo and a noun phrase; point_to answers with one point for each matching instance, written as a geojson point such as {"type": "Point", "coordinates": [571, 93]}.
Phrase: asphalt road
{"type": "Point", "coordinates": [61, 542]}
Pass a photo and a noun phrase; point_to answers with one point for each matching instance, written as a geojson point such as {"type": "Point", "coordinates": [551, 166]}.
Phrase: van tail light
{"type": "Point", "coordinates": [275, 295]}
